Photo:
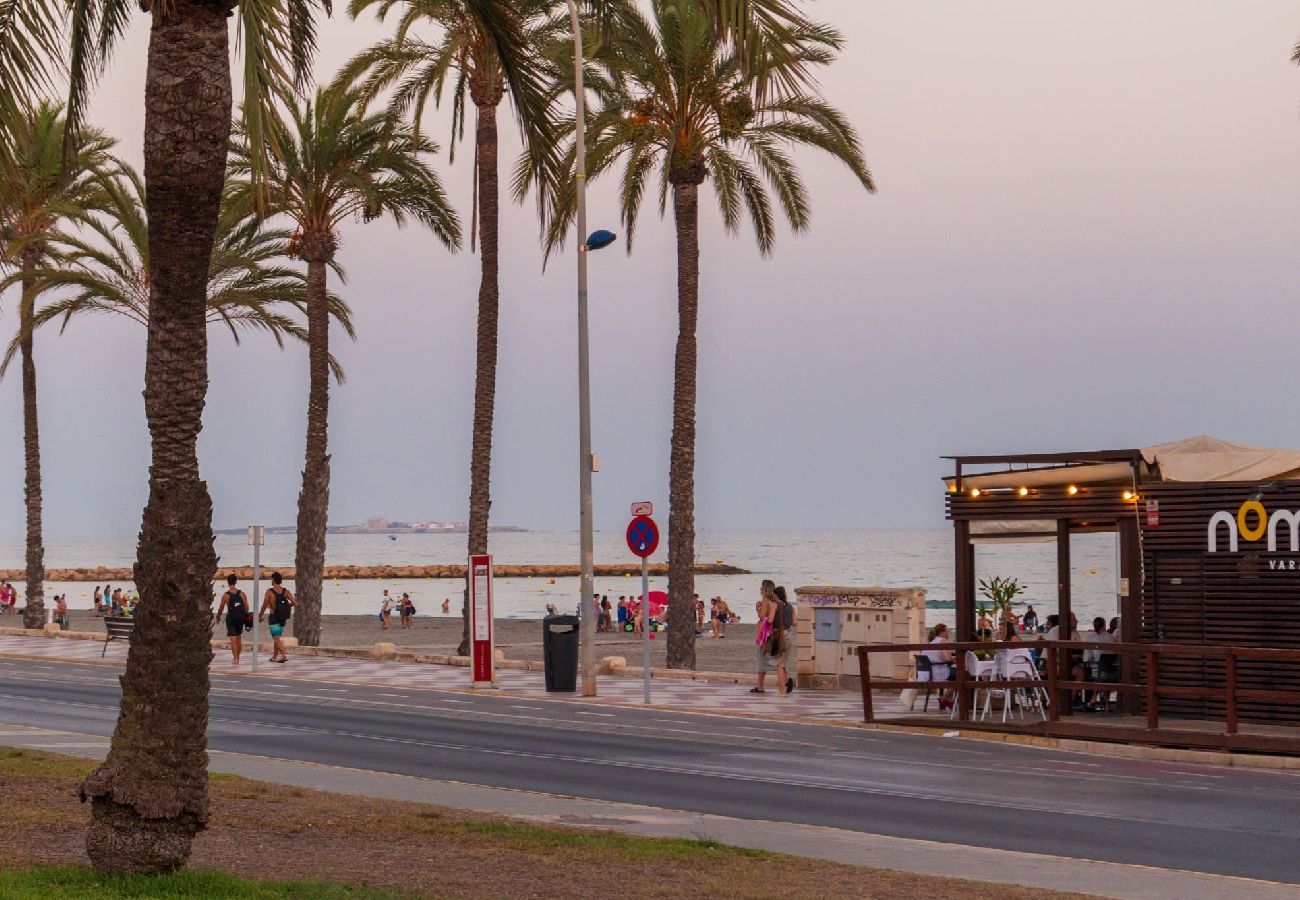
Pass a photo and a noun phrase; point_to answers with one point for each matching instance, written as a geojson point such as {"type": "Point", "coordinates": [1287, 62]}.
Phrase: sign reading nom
{"type": "Point", "coordinates": [1253, 523]}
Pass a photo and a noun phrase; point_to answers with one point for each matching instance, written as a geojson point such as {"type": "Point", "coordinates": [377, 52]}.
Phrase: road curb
{"type": "Point", "coordinates": [1102, 748]}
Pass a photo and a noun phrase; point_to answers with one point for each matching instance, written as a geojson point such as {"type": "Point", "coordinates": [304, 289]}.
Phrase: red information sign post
{"type": "Point", "coordinates": [480, 620]}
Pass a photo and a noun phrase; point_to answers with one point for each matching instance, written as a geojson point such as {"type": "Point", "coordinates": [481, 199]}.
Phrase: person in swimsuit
{"type": "Point", "coordinates": [279, 604]}
{"type": "Point", "coordinates": [234, 604]}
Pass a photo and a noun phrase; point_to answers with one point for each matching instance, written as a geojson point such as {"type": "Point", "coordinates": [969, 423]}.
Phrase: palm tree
{"type": "Point", "coordinates": [149, 798]}
{"type": "Point", "coordinates": [464, 52]}
{"type": "Point", "coordinates": [334, 160]}
{"type": "Point", "coordinates": [677, 99]}
{"type": "Point", "coordinates": [39, 192]}
{"type": "Point", "coordinates": [250, 288]}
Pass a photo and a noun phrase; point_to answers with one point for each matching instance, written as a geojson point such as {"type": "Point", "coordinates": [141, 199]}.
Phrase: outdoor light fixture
{"type": "Point", "coordinates": [974, 492]}
{"type": "Point", "coordinates": [1129, 495]}
{"type": "Point", "coordinates": [952, 488]}
{"type": "Point", "coordinates": [1024, 491]}
{"type": "Point", "coordinates": [598, 240]}
{"type": "Point", "coordinates": [1072, 490]}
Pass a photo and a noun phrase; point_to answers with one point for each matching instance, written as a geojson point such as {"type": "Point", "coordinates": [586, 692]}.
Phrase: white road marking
{"type": "Point", "coordinates": [602, 715]}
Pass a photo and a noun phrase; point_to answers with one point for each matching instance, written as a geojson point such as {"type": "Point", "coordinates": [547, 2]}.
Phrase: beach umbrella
{"type": "Point", "coordinates": [658, 602]}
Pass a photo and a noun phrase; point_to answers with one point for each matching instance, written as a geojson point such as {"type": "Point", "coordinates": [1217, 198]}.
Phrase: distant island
{"type": "Point", "coordinates": [380, 525]}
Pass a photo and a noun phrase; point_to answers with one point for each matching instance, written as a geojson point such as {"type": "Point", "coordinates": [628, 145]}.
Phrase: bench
{"type": "Point", "coordinates": [117, 628]}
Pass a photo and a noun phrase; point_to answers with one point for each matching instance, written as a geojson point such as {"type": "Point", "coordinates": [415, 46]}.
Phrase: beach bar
{"type": "Point", "coordinates": [1208, 539]}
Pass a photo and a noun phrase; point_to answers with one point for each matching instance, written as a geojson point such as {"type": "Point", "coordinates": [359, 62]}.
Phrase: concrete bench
{"type": "Point", "coordinates": [117, 628]}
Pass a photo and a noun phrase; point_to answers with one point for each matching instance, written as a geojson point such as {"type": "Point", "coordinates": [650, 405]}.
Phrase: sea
{"type": "Point", "coordinates": [922, 559]}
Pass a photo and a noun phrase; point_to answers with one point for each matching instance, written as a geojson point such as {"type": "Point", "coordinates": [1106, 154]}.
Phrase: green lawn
{"type": "Point", "coordinates": [44, 883]}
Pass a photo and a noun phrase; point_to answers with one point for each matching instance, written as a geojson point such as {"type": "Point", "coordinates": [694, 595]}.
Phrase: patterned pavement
{"type": "Point", "coordinates": [696, 696]}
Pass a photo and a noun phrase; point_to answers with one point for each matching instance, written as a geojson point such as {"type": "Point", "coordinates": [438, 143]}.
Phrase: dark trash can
{"type": "Point", "coordinates": [560, 652]}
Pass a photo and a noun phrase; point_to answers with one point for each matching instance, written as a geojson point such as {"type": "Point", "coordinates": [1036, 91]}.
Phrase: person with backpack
{"type": "Point", "coordinates": [783, 638]}
{"type": "Point", "coordinates": [279, 603]}
{"type": "Point", "coordinates": [234, 604]}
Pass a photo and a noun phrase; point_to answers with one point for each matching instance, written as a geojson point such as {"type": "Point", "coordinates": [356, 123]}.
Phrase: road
{"type": "Point", "coordinates": [1223, 821]}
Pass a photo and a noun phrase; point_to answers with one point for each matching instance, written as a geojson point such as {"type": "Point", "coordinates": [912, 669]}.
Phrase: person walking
{"type": "Point", "coordinates": [763, 635]}
{"type": "Point", "coordinates": [279, 603]}
{"type": "Point", "coordinates": [99, 598]}
{"type": "Point", "coordinates": [385, 611]}
{"type": "Point", "coordinates": [408, 611]}
{"type": "Point", "coordinates": [8, 598]}
{"type": "Point", "coordinates": [234, 604]}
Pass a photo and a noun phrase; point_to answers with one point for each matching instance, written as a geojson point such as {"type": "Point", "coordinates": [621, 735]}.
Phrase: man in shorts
{"type": "Point", "coordinates": [234, 604]}
{"type": "Point", "coordinates": [279, 603]}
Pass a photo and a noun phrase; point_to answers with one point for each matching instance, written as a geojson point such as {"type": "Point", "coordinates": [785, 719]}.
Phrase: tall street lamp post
{"type": "Point", "coordinates": [586, 462]}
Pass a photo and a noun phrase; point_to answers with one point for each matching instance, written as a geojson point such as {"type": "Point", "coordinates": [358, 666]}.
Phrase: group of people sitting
{"type": "Point", "coordinates": [1092, 664]}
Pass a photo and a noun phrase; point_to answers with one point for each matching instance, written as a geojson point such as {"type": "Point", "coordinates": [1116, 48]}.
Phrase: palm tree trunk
{"type": "Point", "coordinates": [150, 796]}
{"type": "Point", "coordinates": [34, 613]}
{"type": "Point", "coordinates": [313, 503]}
{"type": "Point", "coordinates": [681, 465]}
{"type": "Point", "coordinates": [485, 385]}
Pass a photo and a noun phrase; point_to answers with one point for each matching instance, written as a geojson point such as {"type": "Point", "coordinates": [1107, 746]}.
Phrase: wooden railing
{"type": "Point", "coordinates": [1142, 681]}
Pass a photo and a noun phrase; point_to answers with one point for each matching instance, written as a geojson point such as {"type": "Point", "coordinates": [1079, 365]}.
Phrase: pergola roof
{"type": "Point", "coordinates": [1195, 459]}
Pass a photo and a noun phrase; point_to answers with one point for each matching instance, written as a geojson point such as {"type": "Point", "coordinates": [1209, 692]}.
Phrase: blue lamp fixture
{"type": "Point", "coordinates": [598, 240]}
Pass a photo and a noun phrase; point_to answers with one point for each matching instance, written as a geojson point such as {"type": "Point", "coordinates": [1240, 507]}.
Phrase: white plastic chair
{"type": "Point", "coordinates": [1019, 664]}
{"type": "Point", "coordinates": [972, 663]}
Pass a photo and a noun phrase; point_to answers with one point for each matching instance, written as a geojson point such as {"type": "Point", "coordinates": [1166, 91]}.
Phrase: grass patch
{"type": "Point", "coordinates": [533, 838]}
{"type": "Point", "coordinates": [323, 845]}
{"type": "Point", "coordinates": [80, 882]}
{"type": "Point", "coordinates": [32, 765]}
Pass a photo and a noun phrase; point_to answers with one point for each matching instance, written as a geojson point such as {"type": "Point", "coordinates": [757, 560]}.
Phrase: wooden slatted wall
{"type": "Point", "coordinates": [1249, 598]}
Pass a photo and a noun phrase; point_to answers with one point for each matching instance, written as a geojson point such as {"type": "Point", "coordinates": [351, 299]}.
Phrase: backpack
{"type": "Point", "coordinates": [283, 608]}
{"type": "Point", "coordinates": [235, 605]}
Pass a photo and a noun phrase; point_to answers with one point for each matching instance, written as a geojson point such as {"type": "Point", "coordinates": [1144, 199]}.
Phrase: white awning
{"type": "Point", "coordinates": [1012, 531]}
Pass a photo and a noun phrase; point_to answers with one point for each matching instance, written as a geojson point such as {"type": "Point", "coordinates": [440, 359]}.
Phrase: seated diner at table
{"type": "Point", "coordinates": [940, 661]}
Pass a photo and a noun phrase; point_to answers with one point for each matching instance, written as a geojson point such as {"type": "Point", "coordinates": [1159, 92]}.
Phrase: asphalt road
{"type": "Point", "coordinates": [1168, 815]}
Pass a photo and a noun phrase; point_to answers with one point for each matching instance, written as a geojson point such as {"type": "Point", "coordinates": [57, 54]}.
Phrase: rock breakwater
{"type": "Point", "coordinates": [110, 575]}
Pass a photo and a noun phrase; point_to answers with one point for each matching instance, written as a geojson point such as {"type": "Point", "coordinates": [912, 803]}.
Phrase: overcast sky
{"type": "Point", "coordinates": [1084, 237]}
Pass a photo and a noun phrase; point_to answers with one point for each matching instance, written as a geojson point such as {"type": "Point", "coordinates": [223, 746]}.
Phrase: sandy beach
{"type": "Point", "coordinates": [518, 638]}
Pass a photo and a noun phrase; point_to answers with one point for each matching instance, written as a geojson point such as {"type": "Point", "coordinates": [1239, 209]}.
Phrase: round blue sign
{"type": "Point", "coordinates": [642, 536]}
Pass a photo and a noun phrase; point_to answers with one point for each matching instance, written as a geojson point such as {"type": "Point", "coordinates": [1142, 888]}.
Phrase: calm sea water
{"type": "Point", "coordinates": [886, 558]}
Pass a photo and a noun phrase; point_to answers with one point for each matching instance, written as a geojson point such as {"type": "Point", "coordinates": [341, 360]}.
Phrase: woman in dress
{"type": "Point", "coordinates": [783, 634]}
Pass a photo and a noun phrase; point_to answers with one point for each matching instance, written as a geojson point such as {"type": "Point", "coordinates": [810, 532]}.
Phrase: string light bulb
{"type": "Point", "coordinates": [1023, 491]}
{"type": "Point", "coordinates": [1129, 495]}
{"type": "Point", "coordinates": [1072, 490]}
{"type": "Point", "coordinates": [974, 492]}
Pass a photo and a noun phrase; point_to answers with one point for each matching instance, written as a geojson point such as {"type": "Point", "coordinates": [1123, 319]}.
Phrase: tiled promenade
{"type": "Point", "coordinates": [699, 696]}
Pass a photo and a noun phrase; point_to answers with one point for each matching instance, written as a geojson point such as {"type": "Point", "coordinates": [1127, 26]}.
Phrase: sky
{"type": "Point", "coordinates": [1084, 237]}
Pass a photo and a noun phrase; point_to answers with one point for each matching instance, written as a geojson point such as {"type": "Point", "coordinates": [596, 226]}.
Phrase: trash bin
{"type": "Point", "coordinates": [560, 652]}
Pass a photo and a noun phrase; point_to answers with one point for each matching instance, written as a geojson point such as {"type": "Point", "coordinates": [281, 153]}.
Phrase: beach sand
{"type": "Point", "coordinates": [518, 638]}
